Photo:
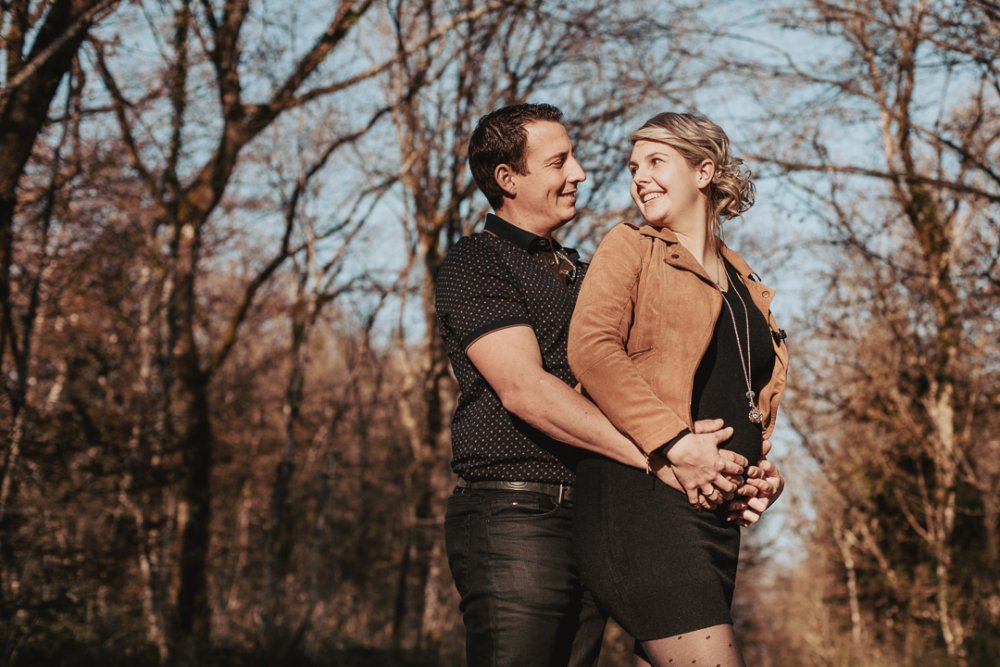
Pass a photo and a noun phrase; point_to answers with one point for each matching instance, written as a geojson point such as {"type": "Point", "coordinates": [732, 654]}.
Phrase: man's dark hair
{"type": "Point", "coordinates": [500, 137]}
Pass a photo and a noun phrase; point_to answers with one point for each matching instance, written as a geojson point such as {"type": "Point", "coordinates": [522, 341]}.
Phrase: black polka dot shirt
{"type": "Point", "coordinates": [491, 280]}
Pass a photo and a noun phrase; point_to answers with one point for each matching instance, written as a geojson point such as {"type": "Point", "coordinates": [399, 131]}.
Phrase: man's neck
{"type": "Point", "coordinates": [528, 222]}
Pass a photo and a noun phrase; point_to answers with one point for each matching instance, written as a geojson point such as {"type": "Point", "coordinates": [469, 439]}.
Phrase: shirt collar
{"type": "Point", "coordinates": [523, 238]}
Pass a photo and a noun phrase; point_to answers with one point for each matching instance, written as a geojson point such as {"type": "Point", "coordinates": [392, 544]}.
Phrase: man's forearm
{"type": "Point", "coordinates": [562, 413]}
{"type": "Point", "coordinates": [510, 361]}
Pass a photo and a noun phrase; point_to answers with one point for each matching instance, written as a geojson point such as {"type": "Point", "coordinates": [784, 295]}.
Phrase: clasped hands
{"type": "Point", "coordinates": [711, 476]}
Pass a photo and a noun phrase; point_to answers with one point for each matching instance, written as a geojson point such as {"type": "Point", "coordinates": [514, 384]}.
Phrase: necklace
{"type": "Point", "coordinates": [754, 415]}
{"type": "Point", "coordinates": [561, 265]}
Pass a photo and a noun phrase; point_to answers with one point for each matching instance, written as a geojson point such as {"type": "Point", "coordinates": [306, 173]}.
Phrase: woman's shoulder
{"type": "Point", "coordinates": [623, 245]}
{"type": "Point", "coordinates": [627, 236]}
{"type": "Point", "coordinates": [624, 232]}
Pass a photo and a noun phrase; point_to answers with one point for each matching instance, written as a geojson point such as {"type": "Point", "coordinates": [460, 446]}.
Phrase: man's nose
{"type": "Point", "coordinates": [577, 174]}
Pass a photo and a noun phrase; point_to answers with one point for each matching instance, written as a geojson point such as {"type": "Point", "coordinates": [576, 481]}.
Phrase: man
{"type": "Point", "coordinates": [504, 301]}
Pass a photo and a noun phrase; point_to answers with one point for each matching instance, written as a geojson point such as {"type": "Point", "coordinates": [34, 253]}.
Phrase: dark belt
{"type": "Point", "coordinates": [561, 493]}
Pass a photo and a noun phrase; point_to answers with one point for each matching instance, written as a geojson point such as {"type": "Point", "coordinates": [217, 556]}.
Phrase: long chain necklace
{"type": "Point", "coordinates": [754, 415]}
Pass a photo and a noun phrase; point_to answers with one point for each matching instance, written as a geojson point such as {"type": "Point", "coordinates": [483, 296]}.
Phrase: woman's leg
{"type": "Point", "coordinates": [714, 646]}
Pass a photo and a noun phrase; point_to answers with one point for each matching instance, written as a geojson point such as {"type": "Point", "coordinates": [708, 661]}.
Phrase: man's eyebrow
{"type": "Point", "coordinates": [557, 156]}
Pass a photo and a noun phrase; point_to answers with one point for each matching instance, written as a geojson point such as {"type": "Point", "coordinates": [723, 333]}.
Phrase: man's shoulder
{"type": "Point", "coordinates": [470, 243]}
{"type": "Point", "coordinates": [477, 253]}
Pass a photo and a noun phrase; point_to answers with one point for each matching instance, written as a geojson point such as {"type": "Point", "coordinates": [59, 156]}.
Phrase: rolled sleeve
{"type": "Point", "coordinates": [476, 294]}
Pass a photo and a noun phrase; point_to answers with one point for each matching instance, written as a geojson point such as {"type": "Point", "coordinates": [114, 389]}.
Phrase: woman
{"type": "Point", "coordinates": [671, 327]}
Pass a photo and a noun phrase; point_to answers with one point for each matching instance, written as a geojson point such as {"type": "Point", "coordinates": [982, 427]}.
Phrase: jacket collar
{"type": "Point", "coordinates": [656, 232]}
{"type": "Point", "coordinates": [738, 263]}
{"type": "Point", "coordinates": [670, 237]}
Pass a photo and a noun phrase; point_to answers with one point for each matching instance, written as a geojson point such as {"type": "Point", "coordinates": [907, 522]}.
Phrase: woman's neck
{"type": "Point", "coordinates": [694, 234]}
{"type": "Point", "coordinates": [699, 240]}
{"type": "Point", "coordinates": [699, 244]}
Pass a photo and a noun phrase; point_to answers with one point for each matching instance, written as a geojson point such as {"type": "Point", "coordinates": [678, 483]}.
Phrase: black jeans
{"type": "Point", "coordinates": [523, 603]}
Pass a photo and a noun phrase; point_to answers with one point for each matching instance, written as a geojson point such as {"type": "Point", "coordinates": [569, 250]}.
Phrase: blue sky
{"type": "Point", "coordinates": [777, 235]}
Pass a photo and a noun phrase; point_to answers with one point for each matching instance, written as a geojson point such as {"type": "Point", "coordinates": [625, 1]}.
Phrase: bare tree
{"type": "Point", "coordinates": [187, 183]}
{"type": "Point", "coordinates": [186, 203]}
{"type": "Point", "coordinates": [39, 44]}
{"type": "Point", "coordinates": [318, 283]}
{"type": "Point", "coordinates": [538, 51]}
{"type": "Point", "coordinates": [895, 356]}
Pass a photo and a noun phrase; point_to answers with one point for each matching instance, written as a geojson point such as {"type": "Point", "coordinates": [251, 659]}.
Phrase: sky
{"type": "Point", "coordinates": [774, 235]}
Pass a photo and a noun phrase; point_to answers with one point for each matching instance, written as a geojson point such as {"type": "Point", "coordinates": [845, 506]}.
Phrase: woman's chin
{"type": "Point", "coordinates": [655, 220]}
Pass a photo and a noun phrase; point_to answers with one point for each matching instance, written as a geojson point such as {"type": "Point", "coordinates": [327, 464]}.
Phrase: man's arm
{"type": "Point", "coordinates": [511, 362]}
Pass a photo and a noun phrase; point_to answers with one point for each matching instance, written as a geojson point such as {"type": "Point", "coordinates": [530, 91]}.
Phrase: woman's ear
{"type": "Point", "coordinates": [706, 172]}
{"type": "Point", "coordinates": [504, 176]}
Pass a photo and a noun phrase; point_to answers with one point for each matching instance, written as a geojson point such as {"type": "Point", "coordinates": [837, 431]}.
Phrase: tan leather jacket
{"type": "Point", "coordinates": [644, 318]}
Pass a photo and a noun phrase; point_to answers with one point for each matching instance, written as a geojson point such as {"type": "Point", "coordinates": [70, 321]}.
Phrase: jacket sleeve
{"type": "Point", "coordinates": [598, 337]}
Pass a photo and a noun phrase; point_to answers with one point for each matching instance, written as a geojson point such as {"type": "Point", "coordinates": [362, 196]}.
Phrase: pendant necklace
{"type": "Point", "coordinates": [755, 414]}
{"type": "Point", "coordinates": [561, 265]}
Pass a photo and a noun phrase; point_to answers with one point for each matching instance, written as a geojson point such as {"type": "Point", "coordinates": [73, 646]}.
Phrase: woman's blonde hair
{"type": "Point", "coordinates": [731, 191]}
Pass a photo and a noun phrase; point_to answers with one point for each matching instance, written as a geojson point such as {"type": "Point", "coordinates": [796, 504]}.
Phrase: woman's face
{"type": "Point", "coordinates": [665, 187]}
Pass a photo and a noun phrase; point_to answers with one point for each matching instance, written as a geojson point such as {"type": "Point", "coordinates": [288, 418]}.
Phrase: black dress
{"type": "Point", "coordinates": [657, 565]}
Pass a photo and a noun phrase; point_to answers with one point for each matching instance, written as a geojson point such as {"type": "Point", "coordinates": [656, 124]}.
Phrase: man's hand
{"type": "Point", "coordinates": [663, 470]}
{"type": "Point", "coordinates": [763, 486]}
{"type": "Point", "coordinates": [702, 468]}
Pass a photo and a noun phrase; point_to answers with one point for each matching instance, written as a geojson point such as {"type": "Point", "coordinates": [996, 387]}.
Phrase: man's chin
{"type": "Point", "coordinates": [566, 218]}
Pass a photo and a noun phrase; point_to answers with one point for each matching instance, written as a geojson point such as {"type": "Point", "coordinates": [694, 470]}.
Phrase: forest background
{"type": "Point", "coordinates": [224, 409]}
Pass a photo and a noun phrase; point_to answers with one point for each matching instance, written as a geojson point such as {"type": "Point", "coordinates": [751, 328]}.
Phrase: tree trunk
{"type": "Point", "coordinates": [32, 82]}
{"type": "Point", "coordinates": [277, 544]}
{"type": "Point", "coordinates": [152, 601]}
{"type": "Point", "coordinates": [845, 542]}
{"type": "Point", "coordinates": [190, 413]}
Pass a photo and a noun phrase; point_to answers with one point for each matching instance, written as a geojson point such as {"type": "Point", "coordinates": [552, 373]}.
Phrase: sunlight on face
{"type": "Point", "coordinates": [665, 187]}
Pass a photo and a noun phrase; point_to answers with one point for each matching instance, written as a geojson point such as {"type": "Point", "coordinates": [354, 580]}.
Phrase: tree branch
{"type": "Point", "coordinates": [962, 188]}
{"type": "Point", "coordinates": [120, 105]}
{"type": "Point", "coordinates": [45, 52]}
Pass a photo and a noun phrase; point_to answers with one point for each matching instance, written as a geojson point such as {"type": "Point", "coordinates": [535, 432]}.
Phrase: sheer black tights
{"type": "Point", "coordinates": [714, 646]}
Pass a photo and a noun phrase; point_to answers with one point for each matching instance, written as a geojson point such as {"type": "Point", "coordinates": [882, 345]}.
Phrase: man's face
{"type": "Point", "coordinates": [546, 194]}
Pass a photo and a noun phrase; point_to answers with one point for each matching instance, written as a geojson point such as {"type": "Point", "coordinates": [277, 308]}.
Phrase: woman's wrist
{"type": "Point", "coordinates": [665, 448]}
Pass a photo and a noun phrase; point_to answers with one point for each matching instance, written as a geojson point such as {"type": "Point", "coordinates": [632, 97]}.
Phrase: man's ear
{"type": "Point", "coordinates": [504, 176]}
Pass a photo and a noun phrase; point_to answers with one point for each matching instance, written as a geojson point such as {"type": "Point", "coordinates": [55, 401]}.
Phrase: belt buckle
{"type": "Point", "coordinates": [559, 498]}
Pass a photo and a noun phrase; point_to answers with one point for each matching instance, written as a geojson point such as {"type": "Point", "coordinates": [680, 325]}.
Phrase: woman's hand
{"type": "Point", "coordinates": [701, 468]}
{"type": "Point", "coordinates": [661, 468]}
{"type": "Point", "coordinates": [763, 486]}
